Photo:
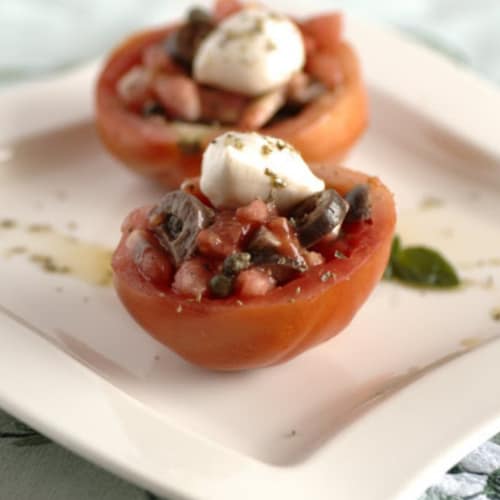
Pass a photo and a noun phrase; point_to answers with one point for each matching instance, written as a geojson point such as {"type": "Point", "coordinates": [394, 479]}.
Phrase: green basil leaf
{"type": "Point", "coordinates": [395, 248]}
{"type": "Point", "coordinates": [425, 267]}
{"type": "Point", "coordinates": [419, 265]}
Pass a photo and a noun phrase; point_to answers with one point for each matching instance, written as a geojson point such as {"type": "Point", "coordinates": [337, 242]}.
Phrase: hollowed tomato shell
{"type": "Point", "coordinates": [323, 131]}
{"type": "Point", "coordinates": [224, 334]}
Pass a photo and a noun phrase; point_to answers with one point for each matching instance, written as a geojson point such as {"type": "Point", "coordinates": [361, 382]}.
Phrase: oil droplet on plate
{"type": "Point", "coordinates": [471, 342]}
{"type": "Point", "coordinates": [58, 253]}
{"type": "Point", "coordinates": [495, 314]}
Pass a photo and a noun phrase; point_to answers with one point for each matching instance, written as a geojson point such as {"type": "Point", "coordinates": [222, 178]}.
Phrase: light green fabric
{"type": "Point", "coordinates": [34, 468]}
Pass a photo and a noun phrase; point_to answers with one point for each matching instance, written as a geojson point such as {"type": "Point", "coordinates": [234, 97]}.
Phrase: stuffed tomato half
{"type": "Point", "coordinates": [256, 261]}
{"type": "Point", "coordinates": [164, 94]}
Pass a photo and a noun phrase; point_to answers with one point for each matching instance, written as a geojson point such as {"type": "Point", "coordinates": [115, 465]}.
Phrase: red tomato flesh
{"type": "Point", "coordinates": [324, 129]}
{"type": "Point", "coordinates": [325, 31]}
{"type": "Point", "coordinates": [239, 333]}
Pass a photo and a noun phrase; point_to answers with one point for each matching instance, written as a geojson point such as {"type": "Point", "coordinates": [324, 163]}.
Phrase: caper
{"type": "Point", "coordinates": [153, 108]}
{"type": "Point", "coordinates": [236, 262]}
{"type": "Point", "coordinates": [220, 285]}
{"type": "Point", "coordinates": [319, 215]}
{"type": "Point", "coordinates": [359, 203]}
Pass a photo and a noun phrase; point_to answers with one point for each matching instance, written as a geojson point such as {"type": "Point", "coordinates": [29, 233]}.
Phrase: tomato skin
{"type": "Point", "coordinates": [225, 334]}
{"type": "Point", "coordinates": [325, 30]}
{"type": "Point", "coordinates": [147, 147]}
{"type": "Point", "coordinates": [225, 8]}
{"type": "Point", "coordinates": [327, 128]}
{"type": "Point", "coordinates": [324, 130]}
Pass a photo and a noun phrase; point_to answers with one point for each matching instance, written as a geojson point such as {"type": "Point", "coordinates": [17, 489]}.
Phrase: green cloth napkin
{"type": "Point", "coordinates": [34, 468]}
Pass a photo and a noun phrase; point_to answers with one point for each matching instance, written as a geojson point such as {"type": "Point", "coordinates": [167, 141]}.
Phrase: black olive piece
{"type": "Point", "coordinates": [153, 108]}
{"type": "Point", "coordinates": [199, 15]}
{"type": "Point", "coordinates": [177, 220]}
{"type": "Point", "coordinates": [280, 267]}
{"type": "Point", "coordinates": [359, 203]}
{"type": "Point", "coordinates": [264, 249]}
{"type": "Point", "coordinates": [263, 239]}
{"type": "Point", "coordinates": [173, 226]}
{"type": "Point", "coordinates": [289, 110]}
{"type": "Point", "coordinates": [263, 258]}
{"type": "Point", "coordinates": [183, 43]}
{"type": "Point", "coordinates": [319, 215]}
{"type": "Point", "coordinates": [236, 262]}
{"type": "Point", "coordinates": [220, 285]}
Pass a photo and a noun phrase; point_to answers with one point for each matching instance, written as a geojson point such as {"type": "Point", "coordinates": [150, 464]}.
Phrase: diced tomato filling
{"type": "Point", "coordinates": [153, 267]}
{"type": "Point", "coordinates": [325, 31]}
{"type": "Point", "coordinates": [221, 106]}
{"type": "Point", "coordinates": [135, 220]}
{"type": "Point", "coordinates": [247, 251]}
{"type": "Point", "coordinates": [158, 77]}
{"type": "Point", "coordinates": [224, 8]}
{"type": "Point", "coordinates": [309, 44]}
{"type": "Point", "coordinates": [254, 283]}
{"type": "Point", "coordinates": [156, 59]}
{"type": "Point", "coordinates": [326, 68]}
{"type": "Point", "coordinates": [179, 96]}
{"type": "Point", "coordinates": [262, 109]}
{"type": "Point", "coordinates": [150, 259]}
{"type": "Point", "coordinates": [223, 237]}
{"type": "Point", "coordinates": [255, 212]}
{"type": "Point", "coordinates": [297, 84]}
{"type": "Point", "coordinates": [334, 248]}
{"type": "Point", "coordinates": [134, 88]}
{"type": "Point", "coordinates": [192, 277]}
{"type": "Point", "coordinates": [289, 245]}
{"type": "Point", "coordinates": [313, 259]}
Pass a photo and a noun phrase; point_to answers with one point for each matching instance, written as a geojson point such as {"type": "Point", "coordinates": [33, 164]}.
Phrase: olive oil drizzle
{"type": "Point", "coordinates": [55, 252]}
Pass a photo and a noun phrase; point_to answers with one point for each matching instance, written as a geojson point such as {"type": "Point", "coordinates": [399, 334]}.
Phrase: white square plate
{"type": "Point", "coordinates": [404, 390]}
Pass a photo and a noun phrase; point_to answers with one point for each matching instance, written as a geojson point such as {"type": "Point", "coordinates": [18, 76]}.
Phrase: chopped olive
{"type": "Point", "coordinates": [263, 239]}
{"type": "Point", "coordinates": [221, 285]}
{"type": "Point", "coordinates": [183, 43]}
{"type": "Point", "coordinates": [289, 110]}
{"type": "Point", "coordinates": [236, 263]}
{"type": "Point", "coordinates": [272, 258]}
{"type": "Point", "coordinates": [319, 215]}
{"type": "Point", "coordinates": [359, 203]}
{"type": "Point", "coordinates": [264, 249]}
{"type": "Point", "coordinates": [173, 225]}
{"type": "Point", "coordinates": [199, 15]}
{"type": "Point", "coordinates": [280, 267]}
{"type": "Point", "coordinates": [153, 108]}
{"type": "Point", "coordinates": [176, 222]}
